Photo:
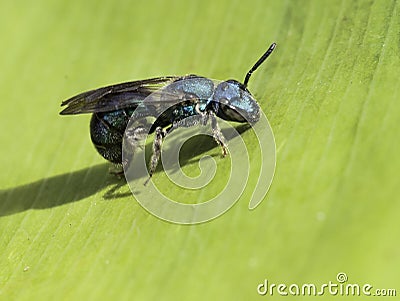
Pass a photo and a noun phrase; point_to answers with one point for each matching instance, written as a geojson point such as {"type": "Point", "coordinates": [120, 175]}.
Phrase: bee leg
{"type": "Point", "coordinates": [217, 134]}
{"type": "Point", "coordinates": [135, 136]}
{"type": "Point", "coordinates": [160, 134]}
{"type": "Point", "coordinates": [116, 170]}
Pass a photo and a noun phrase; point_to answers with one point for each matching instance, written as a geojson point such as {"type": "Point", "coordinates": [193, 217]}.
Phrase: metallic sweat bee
{"type": "Point", "coordinates": [113, 106]}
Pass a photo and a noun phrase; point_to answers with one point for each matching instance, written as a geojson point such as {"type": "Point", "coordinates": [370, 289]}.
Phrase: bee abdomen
{"type": "Point", "coordinates": [106, 132]}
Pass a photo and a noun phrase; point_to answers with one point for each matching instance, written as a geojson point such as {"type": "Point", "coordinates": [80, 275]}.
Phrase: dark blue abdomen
{"type": "Point", "coordinates": [107, 130]}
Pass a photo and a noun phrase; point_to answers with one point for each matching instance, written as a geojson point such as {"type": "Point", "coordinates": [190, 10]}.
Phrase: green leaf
{"type": "Point", "coordinates": [69, 230]}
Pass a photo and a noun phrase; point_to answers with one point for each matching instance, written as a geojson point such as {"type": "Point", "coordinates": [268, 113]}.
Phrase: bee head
{"type": "Point", "coordinates": [233, 102]}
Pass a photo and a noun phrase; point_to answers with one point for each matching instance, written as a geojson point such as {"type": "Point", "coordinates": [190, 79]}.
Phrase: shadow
{"type": "Point", "coordinates": [72, 187]}
{"type": "Point", "coordinates": [60, 190]}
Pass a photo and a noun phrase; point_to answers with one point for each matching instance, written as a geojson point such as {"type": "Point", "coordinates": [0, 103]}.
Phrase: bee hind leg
{"type": "Point", "coordinates": [116, 169]}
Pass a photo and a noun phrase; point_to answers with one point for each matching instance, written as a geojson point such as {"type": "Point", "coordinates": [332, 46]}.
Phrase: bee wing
{"type": "Point", "coordinates": [115, 97]}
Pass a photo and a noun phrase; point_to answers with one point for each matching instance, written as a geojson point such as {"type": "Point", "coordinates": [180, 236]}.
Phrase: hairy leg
{"type": "Point", "coordinates": [155, 157]}
{"type": "Point", "coordinates": [217, 134]}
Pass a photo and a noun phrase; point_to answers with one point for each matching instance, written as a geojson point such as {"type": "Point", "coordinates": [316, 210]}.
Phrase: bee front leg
{"type": "Point", "coordinates": [217, 134]}
{"type": "Point", "coordinates": [160, 134]}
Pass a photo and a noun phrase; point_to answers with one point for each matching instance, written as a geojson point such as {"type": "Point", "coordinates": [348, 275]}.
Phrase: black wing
{"type": "Point", "coordinates": [115, 97]}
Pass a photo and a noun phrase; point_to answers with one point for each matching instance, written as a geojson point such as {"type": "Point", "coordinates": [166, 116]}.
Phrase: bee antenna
{"type": "Point", "coordinates": [258, 63]}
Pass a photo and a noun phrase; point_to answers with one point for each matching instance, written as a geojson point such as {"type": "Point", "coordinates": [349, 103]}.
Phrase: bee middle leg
{"type": "Point", "coordinates": [160, 134]}
{"type": "Point", "coordinates": [217, 134]}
